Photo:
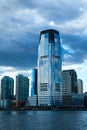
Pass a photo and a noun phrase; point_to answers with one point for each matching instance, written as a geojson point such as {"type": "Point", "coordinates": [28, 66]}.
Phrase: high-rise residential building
{"type": "Point", "coordinates": [33, 84]}
{"type": "Point", "coordinates": [80, 86]}
{"type": "Point", "coordinates": [49, 68]}
{"type": "Point", "coordinates": [69, 82]}
{"type": "Point", "coordinates": [22, 89]}
{"type": "Point", "coordinates": [7, 88]}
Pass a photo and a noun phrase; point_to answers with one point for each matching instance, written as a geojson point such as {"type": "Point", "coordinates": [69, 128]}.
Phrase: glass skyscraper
{"type": "Point", "coordinates": [7, 88]}
{"type": "Point", "coordinates": [80, 86]}
{"type": "Point", "coordinates": [33, 82]}
{"type": "Point", "coordinates": [22, 90]}
{"type": "Point", "coordinates": [49, 68]}
{"type": "Point", "coordinates": [69, 82]}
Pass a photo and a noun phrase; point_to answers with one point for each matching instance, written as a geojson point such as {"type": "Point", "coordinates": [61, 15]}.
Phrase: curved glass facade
{"type": "Point", "coordinates": [7, 88]}
{"type": "Point", "coordinates": [33, 82]}
{"type": "Point", "coordinates": [49, 68]}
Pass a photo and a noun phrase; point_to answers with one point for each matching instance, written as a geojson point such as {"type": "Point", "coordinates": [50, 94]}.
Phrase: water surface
{"type": "Point", "coordinates": [43, 120]}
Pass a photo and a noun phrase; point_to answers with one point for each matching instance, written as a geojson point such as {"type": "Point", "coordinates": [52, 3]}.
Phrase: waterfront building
{"type": "Point", "coordinates": [73, 100]}
{"type": "Point", "coordinates": [69, 82]}
{"type": "Point", "coordinates": [80, 86]}
{"type": "Point", "coordinates": [22, 90]}
{"type": "Point", "coordinates": [85, 99]}
{"type": "Point", "coordinates": [49, 68]}
{"type": "Point", "coordinates": [78, 100]}
{"type": "Point", "coordinates": [7, 88]}
{"type": "Point", "coordinates": [6, 103]}
{"type": "Point", "coordinates": [32, 100]}
{"type": "Point", "coordinates": [33, 84]}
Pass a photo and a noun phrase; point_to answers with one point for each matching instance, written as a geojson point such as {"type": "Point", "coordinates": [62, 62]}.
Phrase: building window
{"type": "Point", "coordinates": [57, 86]}
{"type": "Point", "coordinates": [43, 86]}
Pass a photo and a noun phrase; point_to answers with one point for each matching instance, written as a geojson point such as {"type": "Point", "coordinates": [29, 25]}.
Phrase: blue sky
{"type": "Point", "coordinates": [21, 22]}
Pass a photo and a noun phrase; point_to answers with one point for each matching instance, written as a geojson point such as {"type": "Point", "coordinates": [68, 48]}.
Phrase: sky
{"type": "Point", "coordinates": [20, 24]}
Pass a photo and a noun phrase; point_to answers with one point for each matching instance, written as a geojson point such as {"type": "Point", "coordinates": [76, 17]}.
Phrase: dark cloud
{"type": "Point", "coordinates": [57, 10]}
{"type": "Point", "coordinates": [77, 44]}
{"type": "Point", "coordinates": [22, 53]}
{"type": "Point", "coordinates": [20, 25]}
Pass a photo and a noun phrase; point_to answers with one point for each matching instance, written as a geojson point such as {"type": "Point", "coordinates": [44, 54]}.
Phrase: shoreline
{"type": "Point", "coordinates": [43, 109]}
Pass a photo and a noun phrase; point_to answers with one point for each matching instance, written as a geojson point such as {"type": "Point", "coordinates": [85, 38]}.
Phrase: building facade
{"type": "Point", "coordinates": [7, 88]}
{"type": "Point", "coordinates": [73, 100]}
{"type": "Point", "coordinates": [69, 82]}
{"type": "Point", "coordinates": [22, 90]}
{"type": "Point", "coordinates": [49, 68]}
{"type": "Point", "coordinates": [33, 84]}
{"type": "Point", "coordinates": [80, 86]}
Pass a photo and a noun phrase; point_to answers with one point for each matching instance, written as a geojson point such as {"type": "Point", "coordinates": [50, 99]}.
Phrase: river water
{"type": "Point", "coordinates": [43, 120]}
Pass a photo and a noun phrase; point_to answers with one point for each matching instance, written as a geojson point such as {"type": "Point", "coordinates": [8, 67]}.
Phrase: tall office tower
{"type": "Point", "coordinates": [49, 68]}
{"type": "Point", "coordinates": [69, 82]}
{"type": "Point", "coordinates": [22, 90]}
{"type": "Point", "coordinates": [80, 86]}
{"type": "Point", "coordinates": [33, 85]}
{"type": "Point", "coordinates": [7, 88]}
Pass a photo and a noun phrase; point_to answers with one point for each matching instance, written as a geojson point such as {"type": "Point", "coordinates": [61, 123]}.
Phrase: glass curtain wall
{"type": "Point", "coordinates": [49, 68]}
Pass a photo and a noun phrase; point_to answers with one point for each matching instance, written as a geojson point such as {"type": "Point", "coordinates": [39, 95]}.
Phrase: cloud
{"type": "Point", "coordinates": [77, 48]}
{"type": "Point", "coordinates": [21, 22]}
{"type": "Point", "coordinates": [20, 25]}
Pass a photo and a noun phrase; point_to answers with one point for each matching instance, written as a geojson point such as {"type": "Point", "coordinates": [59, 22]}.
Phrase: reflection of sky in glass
{"type": "Point", "coordinates": [50, 62]}
{"type": "Point", "coordinates": [33, 82]}
{"type": "Point", "coordinates": [44, 63]}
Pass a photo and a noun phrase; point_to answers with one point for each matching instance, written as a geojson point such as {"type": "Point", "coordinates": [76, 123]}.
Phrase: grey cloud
{"type": "Point", "coordinates": [22, 53]}
{"type": "Point", "coordinates": [56, 10]}
{"type": "Point", "coordinates": [78, 43]}
{"type": "Point", "coordinates": [21, 22]}
{"type": "Point", "coordinates": [23, 57]}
